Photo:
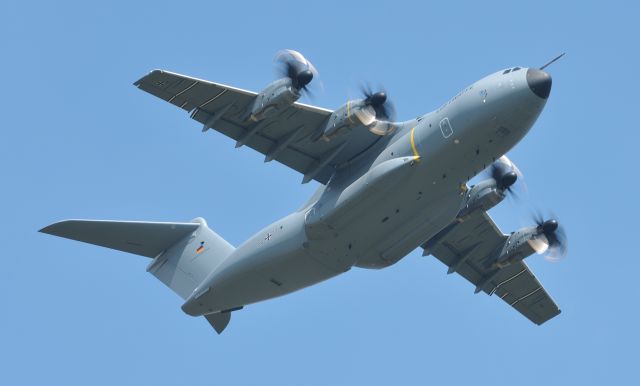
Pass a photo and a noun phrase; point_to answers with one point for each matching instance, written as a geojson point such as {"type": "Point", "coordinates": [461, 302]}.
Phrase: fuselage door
{"type": "Point", "coordinates": [445, 128]}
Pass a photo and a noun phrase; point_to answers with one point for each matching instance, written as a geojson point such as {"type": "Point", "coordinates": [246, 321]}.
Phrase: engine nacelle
{"type": "Point", "coordinates": [490, 192]}
{"type": "Point", "coordinates": [483, 196]}
{"type": "Point", "coordinates": [526, 242]}
{"type": "Point", "coordinates": [518, 246]}
{"type": "Point", "coordinates": [274, 99]}
{"type": "Point", "coordinates": [348, 116]}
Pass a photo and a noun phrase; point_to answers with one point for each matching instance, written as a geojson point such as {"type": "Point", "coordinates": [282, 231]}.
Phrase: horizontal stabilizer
{"type": "Point", "coordinates": [137, 237]}
{"type": "Point", "coordinates": [219, 321]}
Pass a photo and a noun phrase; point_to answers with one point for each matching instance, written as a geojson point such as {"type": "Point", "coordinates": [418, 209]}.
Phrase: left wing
{"type": "Point", "coordinates": [465, 248]}
{"type": "Point", "coordinates": [285, 138]}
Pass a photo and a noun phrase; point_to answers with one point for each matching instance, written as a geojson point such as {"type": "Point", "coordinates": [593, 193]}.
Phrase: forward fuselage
{"type": "Point", "coordinates": [385, 203]}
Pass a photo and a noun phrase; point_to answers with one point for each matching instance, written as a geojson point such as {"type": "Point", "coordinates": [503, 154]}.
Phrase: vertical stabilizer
{"type": "Point", "coordinates": [184, 254]}
{"type": "Point", "coordinates": [188, 262]}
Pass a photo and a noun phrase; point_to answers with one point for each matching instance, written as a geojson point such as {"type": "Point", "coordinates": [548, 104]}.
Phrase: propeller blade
{"type": "Point", "coordinates": [539, 244]}
{"type": "Point", "coordinates": [382, 128]}
{"type": "Point", "coordinates": [554, 236]}
{"type": "Point", "coordinates": [293, 65]}
{"type": "Point", "coordinates": [380, 102]}
{"type": "Point", "coordinates": [366, 115]}
{"type": "Point", "coordinates": [538, 218]}
{"type": "Point", "coordinates": [558, 246]}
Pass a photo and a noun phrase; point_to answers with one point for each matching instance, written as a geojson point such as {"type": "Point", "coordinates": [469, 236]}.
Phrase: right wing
{"type": "Point", "coordinates": [465, 247]}
{"type": "Point", "coordinates": [284, 138]}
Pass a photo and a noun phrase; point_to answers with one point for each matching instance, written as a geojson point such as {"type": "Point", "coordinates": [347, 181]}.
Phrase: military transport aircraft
{"type": "Point", "coordinates": [386, 188]}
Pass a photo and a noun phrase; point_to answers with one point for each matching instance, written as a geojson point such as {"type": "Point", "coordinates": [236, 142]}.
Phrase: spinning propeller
{"type": "Point", "coordinates": [293, 65]}
{"type": "Point", "coordinates": [551, 239]}
{"type": "Point", "coordinates": [548, 237]}
{"type": "Point", "coordinates": [378, 110]}
{"type": "Point", "coordinates": [506, 173]}
{"type": "Point", "coordinates": [383, 108]}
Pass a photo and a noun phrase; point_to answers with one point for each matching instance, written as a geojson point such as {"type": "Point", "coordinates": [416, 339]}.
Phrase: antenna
{"type": "Point", "coordinates": [553, 60]}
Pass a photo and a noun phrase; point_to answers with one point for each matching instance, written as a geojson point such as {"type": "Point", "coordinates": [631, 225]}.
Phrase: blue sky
{"type": "Point", "coordinates": [79, 141]}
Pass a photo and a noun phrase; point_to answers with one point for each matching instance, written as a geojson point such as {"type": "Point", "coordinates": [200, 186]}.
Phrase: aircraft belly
{"type": "Point", "coordinates": [404, 224]}
{"type": "Point", "coordinates": [275, 262]}
{"type": "Point", "coordinates": [339, 207]}
{"type": "Point", "coordinates": [280, 276]}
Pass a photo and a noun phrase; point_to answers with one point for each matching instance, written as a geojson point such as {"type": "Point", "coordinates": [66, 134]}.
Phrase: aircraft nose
{"type": "Point", "coordinates": [539, 82]}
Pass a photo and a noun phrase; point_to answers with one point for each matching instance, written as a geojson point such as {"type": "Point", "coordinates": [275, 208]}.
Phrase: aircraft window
{"type": "Point", "coordinates": [515, 69]}
{"type": "Point", "coordinates": [506, 71]}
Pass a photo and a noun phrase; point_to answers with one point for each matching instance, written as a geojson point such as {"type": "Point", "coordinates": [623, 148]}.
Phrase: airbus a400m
{"type": "Point", "coordinates": [386, 188]}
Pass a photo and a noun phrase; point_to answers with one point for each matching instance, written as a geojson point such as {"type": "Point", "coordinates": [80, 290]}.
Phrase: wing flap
{"type": "Point", "coordinates": [525, 293]}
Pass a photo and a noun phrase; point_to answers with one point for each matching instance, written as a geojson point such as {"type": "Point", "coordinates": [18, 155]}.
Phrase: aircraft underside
{"type": "Point", "coordinates": [386, 188]}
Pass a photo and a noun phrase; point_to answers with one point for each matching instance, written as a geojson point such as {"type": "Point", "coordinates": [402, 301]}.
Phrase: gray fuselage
{"type": "Point", "coordinates": [380, 206]}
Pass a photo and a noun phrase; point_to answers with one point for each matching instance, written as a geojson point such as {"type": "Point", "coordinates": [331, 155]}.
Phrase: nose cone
{"type": "Point", "coordinates": [539, 82]}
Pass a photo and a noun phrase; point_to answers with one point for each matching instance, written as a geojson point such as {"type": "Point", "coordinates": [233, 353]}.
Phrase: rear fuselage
{"type": "Point", "coordinates": [382, 205]}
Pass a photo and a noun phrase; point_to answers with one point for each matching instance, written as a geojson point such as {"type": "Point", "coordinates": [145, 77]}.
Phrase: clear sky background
{"type": "Point", "coordinates": [77, 140]}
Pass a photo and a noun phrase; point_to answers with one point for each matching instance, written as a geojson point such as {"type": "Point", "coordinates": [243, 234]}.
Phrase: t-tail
{"type": "Point", "coordinates": [183, 254]}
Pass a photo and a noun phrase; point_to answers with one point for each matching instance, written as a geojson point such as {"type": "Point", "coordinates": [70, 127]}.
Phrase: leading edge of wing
{"type": "Point", "coordinates": [304, 106]}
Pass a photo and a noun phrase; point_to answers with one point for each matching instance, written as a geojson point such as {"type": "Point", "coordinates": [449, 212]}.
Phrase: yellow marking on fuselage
{"type": "Point", "coordinates": [416, 155]}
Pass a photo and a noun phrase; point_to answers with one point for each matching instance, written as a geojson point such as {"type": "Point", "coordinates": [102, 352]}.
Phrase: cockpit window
{"type": "Point", "coordinates": [515, 69]}
{"type": "Point", "coordinates": [506, 71]}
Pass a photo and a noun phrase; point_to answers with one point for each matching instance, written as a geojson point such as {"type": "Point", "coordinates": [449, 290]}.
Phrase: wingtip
{"type": "Point", "coordinates": [55, 228]}
{"type": "Point", "coordinates": [50, 229]}
{"type": "Point", "coordinates": [138, 82]}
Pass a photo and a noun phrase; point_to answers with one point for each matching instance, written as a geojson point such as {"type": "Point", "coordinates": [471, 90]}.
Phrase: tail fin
{"type": "Point", "coordinates": [184, 254]}
{"type": "Point", "coordinates": [187, 263]}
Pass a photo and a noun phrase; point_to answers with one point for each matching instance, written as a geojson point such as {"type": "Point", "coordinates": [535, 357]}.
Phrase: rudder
{"type": "Point", "coordinates": [188, 262]}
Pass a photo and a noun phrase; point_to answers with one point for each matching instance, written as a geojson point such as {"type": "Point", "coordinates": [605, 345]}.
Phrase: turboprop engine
{"type": "Point", "coordinates": [374, 111]}
{"type": "Point", "coordinates": [491, 191]}
{"type": "Point", "coordinates": [297, 72]}
{"type": "Point", "coordinates": [547, 237]}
